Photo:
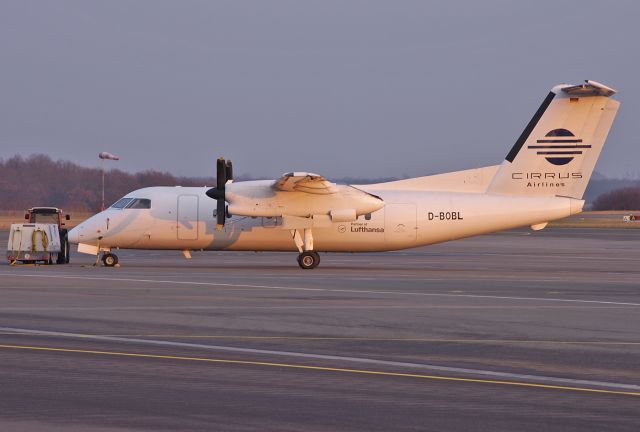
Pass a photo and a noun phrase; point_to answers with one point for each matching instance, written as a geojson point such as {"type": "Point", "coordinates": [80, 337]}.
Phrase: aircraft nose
{"type": "Point", "coordinates": [74, 234]}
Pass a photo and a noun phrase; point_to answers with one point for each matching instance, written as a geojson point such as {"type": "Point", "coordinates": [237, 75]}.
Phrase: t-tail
{"type": "Point", "coordinates": [558, 150]}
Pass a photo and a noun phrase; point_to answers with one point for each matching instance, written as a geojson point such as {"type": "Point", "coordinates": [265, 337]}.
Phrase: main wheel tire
{"type": "Point", "coordinates": [308, 260]}
{"type": "Point", "coordinates": [109, 259]}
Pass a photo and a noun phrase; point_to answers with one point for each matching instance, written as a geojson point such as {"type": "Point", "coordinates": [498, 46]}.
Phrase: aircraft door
{"type": "Point", "coordinates": [187, 217]}
{"type": "Point", "coordinates": [400, 223]}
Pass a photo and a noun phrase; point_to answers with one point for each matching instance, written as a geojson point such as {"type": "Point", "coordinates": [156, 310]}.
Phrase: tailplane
{"type": "Point", "coordinates": [558, 150]}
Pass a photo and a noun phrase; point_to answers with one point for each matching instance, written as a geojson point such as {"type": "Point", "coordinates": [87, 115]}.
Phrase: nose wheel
{"type": "Point", "coordinates": [109, 259]}
{"type": "Point", "coordinates": [308, 260]}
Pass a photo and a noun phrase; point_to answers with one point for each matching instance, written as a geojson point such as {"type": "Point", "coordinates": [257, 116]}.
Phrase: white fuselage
{"type": "Point", "coordinates": [183, 218]}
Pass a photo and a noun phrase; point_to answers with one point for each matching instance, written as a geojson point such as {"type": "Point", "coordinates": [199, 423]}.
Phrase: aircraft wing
{"type": "Point", "coordinates": [299, 194]}
{"type": "Point", "coordinates": [305, 182]}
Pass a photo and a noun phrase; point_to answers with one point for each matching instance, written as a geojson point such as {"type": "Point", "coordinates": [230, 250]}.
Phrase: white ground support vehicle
{"type": "Point", "coordinates": [52, 215]}
{"type": "Point", "coordinates": [34, 242]}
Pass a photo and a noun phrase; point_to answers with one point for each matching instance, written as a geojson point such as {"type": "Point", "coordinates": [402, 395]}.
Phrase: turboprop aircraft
{"type": "Point", "coordinates": [542, 178]}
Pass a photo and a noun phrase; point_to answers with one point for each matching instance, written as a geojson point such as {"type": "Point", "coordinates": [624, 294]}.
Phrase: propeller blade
{"type": "Point", "coordinates": [221, 173]}
{"type": "Point", "coordinates": [229, 171]}
{"type": "Point", "coordinates": [224, 172]}
{"type": "Point", "coordinates": [220, 214]}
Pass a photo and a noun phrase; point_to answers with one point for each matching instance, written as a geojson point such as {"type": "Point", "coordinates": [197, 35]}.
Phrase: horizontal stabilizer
{"type": "Point", "coordinates": [590, 88]}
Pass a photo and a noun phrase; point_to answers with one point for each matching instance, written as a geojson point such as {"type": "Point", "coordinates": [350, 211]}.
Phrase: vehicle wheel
{"type": "Point", "coordinates": [109, 259]}
{"type": "Point", "coordinates": [63, 256]}
{"type": "Point", "coordinates": [308, 260]}
{"type": "Point", "coordinates": [67, 251]}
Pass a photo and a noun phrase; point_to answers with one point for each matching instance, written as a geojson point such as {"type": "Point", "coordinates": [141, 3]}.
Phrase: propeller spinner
{"type": "Point", "coordinates": [224, 174]}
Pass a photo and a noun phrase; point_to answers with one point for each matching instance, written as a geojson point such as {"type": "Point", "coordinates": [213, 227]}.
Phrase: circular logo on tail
{"type": "Point", "coordinates": [559, 146]}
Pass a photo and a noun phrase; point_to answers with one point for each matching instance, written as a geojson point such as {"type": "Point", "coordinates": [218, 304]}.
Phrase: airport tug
{"type": "Point", "coordinates": [42, 238]}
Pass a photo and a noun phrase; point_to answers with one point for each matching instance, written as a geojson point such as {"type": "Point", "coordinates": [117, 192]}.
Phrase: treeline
{"type": "Point", "coordinates": [38, 180]}
{"type": "Point", "coordinates": [626, 198]}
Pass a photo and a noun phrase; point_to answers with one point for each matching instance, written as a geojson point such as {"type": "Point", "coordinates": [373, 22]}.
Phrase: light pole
{"type": "Point", "coordinates": [103, 156]}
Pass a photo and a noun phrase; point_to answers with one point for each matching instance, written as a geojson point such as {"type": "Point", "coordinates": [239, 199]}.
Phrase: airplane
{"type": "Point", "coordinates": [543, 178]}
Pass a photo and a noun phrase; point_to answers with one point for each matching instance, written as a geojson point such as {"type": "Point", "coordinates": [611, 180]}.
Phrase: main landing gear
{"type": "Point", "coordinates": [309, 260]}
{"type": "Point", "coordinates": [109, 259]}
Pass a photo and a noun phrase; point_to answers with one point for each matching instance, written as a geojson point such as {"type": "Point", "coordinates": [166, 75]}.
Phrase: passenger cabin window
{"type": "Point", "coordinates": [122, 203]}
{"type": "Point", "coordinates": [140, 203]}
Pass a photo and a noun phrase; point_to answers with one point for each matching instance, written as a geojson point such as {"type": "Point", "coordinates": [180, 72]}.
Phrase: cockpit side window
{"type": "Point", "coordinates": [140, 203]}
{"type": "Point", "coordinates": [122, 203]}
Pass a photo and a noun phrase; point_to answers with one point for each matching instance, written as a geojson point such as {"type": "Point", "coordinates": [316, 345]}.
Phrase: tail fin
{"type": "Point", "coordinates": [557, 151]}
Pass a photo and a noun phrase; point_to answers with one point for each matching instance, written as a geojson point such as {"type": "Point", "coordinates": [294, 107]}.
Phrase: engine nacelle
{"type": "Point", "coordinates": [261, 199]}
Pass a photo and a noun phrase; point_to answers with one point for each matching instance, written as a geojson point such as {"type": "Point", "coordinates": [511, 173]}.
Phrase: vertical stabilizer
{"type": "Point", "coordinates": [558, 150]}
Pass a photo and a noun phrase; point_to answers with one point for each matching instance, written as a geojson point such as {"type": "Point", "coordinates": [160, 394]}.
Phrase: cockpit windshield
{"type": "Point", "coordinates": [132, 203]}
{"type": "Point", "coordinates": [122, 203]}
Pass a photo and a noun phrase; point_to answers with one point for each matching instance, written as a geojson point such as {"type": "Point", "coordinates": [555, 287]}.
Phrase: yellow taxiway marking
{"type": "Point", "coordinates": [320, 368]}
{"type": "Point", "coordinates": [348, 339]}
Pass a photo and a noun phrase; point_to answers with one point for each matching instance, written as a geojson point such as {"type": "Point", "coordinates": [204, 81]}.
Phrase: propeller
{"type": "Point", "coordinates": [224, 174]}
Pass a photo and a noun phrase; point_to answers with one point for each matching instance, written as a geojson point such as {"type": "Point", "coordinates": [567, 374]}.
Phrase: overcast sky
{"type": "Point", "coordinates": [342, 88]}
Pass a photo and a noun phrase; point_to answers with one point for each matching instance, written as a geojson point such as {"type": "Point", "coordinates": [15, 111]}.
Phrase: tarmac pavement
{"type": "Point", "coordinates": [513, 331]}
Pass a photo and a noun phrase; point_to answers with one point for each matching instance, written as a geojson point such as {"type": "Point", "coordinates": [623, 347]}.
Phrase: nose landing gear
{"type": "Point", "coordinates": [109, 259]}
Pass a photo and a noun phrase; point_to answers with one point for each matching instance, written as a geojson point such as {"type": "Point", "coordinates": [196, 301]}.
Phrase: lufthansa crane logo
{"type": "Point", "coordinates": [559, 146]}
